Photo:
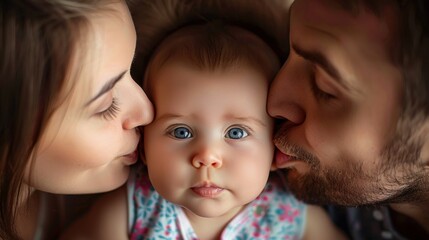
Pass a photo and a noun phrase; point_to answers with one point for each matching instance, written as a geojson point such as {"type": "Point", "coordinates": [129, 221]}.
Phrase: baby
{"type": "Point", "coordinates": [209, 151]}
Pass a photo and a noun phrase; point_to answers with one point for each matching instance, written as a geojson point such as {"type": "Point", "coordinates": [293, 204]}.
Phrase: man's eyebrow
{"type": "Point", "coordinates": [107, 87]}
{"type": "Point", "coordinates": [321, 60]}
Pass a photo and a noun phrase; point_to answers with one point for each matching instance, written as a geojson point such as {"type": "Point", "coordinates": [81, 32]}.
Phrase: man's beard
{"type": "Point", "coordinates": [328, 187]}
{"type": "Point", "coordinates": [348, 184]}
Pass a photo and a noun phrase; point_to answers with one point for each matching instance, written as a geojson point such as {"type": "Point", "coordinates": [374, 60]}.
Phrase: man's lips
{"type": "Point", "coordinates": [207, 190]}
{"type": "Point", "coordinates": [283, 160]}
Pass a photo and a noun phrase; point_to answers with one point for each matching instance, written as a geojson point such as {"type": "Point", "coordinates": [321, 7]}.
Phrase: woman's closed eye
{"type": "Point", "coordinates": [111, 112]}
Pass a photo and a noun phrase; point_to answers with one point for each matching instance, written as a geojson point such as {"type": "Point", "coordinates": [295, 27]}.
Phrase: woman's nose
{"type": "Point", "coordinates": [141, 109]}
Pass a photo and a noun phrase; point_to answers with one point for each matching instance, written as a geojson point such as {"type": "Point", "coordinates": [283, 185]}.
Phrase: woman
{"type": "Point", "coordinates": [70, 110]}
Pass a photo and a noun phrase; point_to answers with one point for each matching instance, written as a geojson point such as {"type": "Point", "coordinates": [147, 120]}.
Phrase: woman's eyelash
{"type": "Point", "coordinates": [111, 112]}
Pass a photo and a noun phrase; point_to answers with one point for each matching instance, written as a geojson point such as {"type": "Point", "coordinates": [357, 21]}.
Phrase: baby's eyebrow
{"type": "Point", "coordinates": [107, 87]}
{"type": "Point", "coordinates": [169, 116]}
{"type": "Point", "coordinates": [248, 119]}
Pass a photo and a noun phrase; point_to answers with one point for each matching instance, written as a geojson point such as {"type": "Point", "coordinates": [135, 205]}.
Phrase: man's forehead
{"type": "Point", "coordinates": [355, 6]}
{"type": "Point", "coordinates": [341, 18]}
{"type": "Point", "coordinates": [312, 11]}
{"type": "Point", "coordinates": [348, 7]}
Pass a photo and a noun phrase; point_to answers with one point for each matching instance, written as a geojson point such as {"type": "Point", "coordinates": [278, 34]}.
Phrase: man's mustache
{"type": "Point", "coordinates": [297, 152]}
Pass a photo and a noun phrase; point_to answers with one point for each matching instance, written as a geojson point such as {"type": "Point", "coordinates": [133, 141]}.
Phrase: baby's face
{"type": "Point", "coordinates": [209, 148]}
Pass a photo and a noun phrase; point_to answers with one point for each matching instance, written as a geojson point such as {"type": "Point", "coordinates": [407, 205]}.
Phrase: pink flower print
{"type": "Point", "coordinates": [144, 186]}
{"type": "Point", "coordinates": [255, 224]}
{"type": "Point", "coordinates": [139, 226]}
{"type": "Point", "coordinates": [145, 231]}
{"type": "Point", "coordinates": [139, 230]}
{"type": "Point", "coordinates": [167, 230]}
{"type": "Point", "coordinates": [287, 213]}
{"type": "Point", "coordinates": [267, 229]}
{"type": "Point", "coordinates": [256, 234]}
{"type": "Point", "coordinates": [259, 233]}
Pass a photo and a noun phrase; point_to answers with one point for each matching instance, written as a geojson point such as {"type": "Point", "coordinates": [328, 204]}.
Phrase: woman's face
{"type": "Point", "coordinates": [91, 139]}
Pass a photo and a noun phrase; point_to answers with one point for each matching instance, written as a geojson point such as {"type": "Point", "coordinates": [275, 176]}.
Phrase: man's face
{"type": "Point", "coordinates": [339, 96]}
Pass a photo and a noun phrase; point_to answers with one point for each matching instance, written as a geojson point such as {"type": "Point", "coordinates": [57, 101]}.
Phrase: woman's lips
{"type": "Point", "coordinates": [131, 158]}
{"type": "Point", "coordinates": [207, 191]}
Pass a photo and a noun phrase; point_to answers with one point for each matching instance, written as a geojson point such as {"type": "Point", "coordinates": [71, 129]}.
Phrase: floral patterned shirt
{"type": "Point", "coordinates": [274, 214]}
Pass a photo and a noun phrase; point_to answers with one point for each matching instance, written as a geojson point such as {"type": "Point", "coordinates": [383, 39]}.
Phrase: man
{"type": "Point", "coordinates": [353, 104]}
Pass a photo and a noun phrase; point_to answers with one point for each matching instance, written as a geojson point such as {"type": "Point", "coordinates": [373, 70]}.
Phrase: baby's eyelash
{"type": "Point", "coordinates": [111, 112]}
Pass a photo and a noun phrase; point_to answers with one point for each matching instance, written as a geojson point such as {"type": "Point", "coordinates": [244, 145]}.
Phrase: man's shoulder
{"type": "Point", "coordinates": [364, 222]}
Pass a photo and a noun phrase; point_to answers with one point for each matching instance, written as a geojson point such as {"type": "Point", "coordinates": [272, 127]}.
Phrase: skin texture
{"type": "Point", "coordinates": [89, 145]}
{"type": "Point", "coordinates": [185, 97]}
{"type": "Point", "coordinates": [208, 150]}
{"type": "Point", "coordinates": [338, 99]}
{"type": "Point", "coordinates": [341, 117]}
{"type": "Point", "coordinates": [192, 140]}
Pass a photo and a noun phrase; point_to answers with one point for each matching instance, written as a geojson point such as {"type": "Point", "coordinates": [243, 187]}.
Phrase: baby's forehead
{"type": "Point", "coordinates": [212, 35]}
{"type": "Point", "coordinates": [214, 47]}
{"type": "Point", "coordinates": [186, 89]}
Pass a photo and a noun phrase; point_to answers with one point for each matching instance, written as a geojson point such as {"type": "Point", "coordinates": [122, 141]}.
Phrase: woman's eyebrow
{"type": "Point", "coordinates": [107, 87]}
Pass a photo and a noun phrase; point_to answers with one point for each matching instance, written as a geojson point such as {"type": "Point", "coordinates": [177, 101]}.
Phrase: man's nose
{"type": "Point", "coordinates": [285, 96]}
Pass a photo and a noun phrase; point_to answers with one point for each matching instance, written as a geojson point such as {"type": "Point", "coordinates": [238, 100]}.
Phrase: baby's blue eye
{"type": "Point", "coordinates": [236, 133]}
{"type": "Point", "coordinates": [181, 133]}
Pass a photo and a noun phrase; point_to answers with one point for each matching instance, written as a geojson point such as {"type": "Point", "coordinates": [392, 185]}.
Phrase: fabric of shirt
{"type": "Point", "coordinates": [274, 214]}
{"type": "Point", "coordinates": [365, 223]}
